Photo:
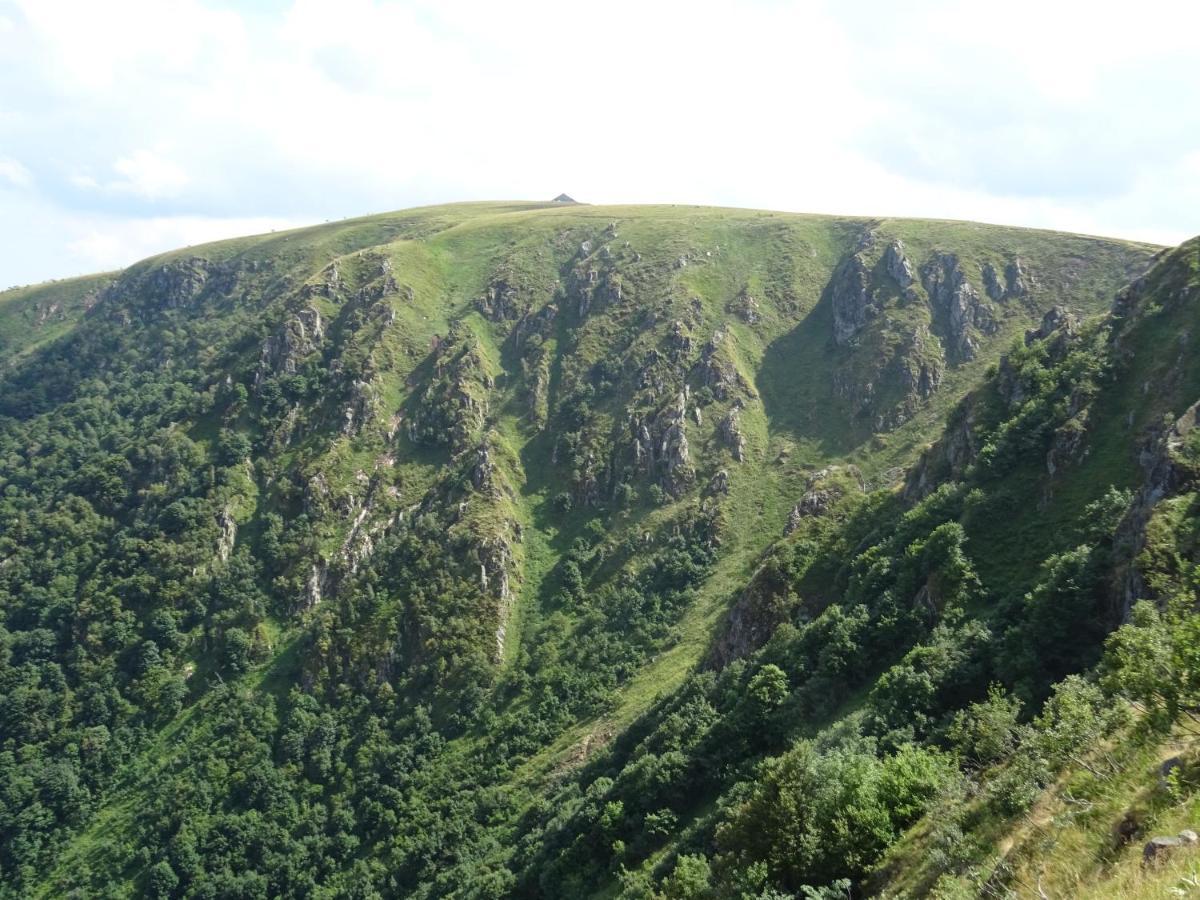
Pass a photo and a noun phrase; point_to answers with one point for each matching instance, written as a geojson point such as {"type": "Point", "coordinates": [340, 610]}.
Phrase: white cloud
{"type": "Point", "coordinates": [115, 244]}
{"type": "Point", "coordinates": [143, 173]}
{"type": "Point", "coordinates": [1065, 115]}
{"type": "Point", "coordinates": [14, 173]}
{"type": "Point", "coordinates": [149, 175]}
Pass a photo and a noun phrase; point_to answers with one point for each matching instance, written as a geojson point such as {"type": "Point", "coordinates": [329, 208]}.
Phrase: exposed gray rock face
{"type": "Point", "coordinates": [594, 281]}
{"type": "Point", "coordinates": [716, 373]}
{"type": "Point", "coordinates": [316, 585]}
{"type": "Point", "coordinates": [947, 459]}
{"type": "Point", "coordinates": [500, 302]}
{"type": "Point", "coordinates": [1057, 320]}
{"type": "Point", "coordinates": [1010, 385]}
{"type": "Point", "coordinates": [283, 351]}
{"type": "Point", "coordinates": [540, 323]}
{"type": "Point", "coordinates": [673, 451]}
{"type": "Point", "coordinates": [483, 469]}
{"type": "Point", "coordinates": [330, 284]}
{"type": "Point", "coordinates": [1159, 849]}
{"type": "Point", "coordinates": [179, 282]}
{"type": "Point", "coordinates": [719, 484]}
{"type": "Point", "coordinates": [1062, 328]}
{"type": "Point", "coordinates": [991, 282]}
{"type": "Point", "coordinates": [752, 620]}
{"type": "Point", "coordinates": [958, 313]}
{"type": "Point", "coordinates": [659, 447]}
{"type": "Point", "coordinates": [730, 431]}
{"type": "Point", "coordinates": [1016, 285]}
{"type": "Point", "coordinates": [643, 450]}
{"type": "Point", "coordinates": [587, 481]}
{"type": "Point", "coordinates": [496, 560]}
{"type": "Point", "coordinates": [1016, 280]}
{"type": "Point", "coordinates": [1059, 329]}
{"type": "Point", "coordinates": [358, 409]}
{"type": "Point", "coordinates": [680, 341]}
{"type": "Point", "coordinates": [898, 266]}
{"type": "Point", "coordinates": [888, 388]}
{"type": "Point", "coordinates": [920, 372]}
{"type": "Point", "coordinates": [1163, 477]}
{"type": "Point", "coordinates": [228, 536]}
{"type": "Point", "coordinates": [745, 307]}
{"type": "Point", "coordinates": [853, 305]}
{"type": "Point", "coordinates": [1068, 445]}
{"type": "Point", "coordinates": [820, 495]}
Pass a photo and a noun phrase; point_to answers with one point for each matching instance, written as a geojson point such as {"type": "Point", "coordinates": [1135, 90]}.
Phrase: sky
{"type": "Point", "coordinates": [129, 127]}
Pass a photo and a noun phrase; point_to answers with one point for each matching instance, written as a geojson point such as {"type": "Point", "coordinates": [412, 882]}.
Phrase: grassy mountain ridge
{"type": "Point", "coordinates": [413, 535]}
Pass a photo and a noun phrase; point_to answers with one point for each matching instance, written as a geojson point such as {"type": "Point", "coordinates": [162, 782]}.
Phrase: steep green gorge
{"type": "Point", "coordinates": [549, 550]}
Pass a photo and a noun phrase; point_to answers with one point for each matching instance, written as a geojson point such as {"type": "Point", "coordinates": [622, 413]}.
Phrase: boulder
{"type": "Point", "coordinates": [1168, 766]}
{"type": "Point", "coordinates": [1159, 849]}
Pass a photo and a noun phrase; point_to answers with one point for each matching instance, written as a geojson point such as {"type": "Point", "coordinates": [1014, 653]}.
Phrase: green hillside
{"type": "Point", "coordinates": [553, 550]}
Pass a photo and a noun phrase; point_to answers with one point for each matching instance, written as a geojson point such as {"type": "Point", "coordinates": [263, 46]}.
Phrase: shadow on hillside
{"type": "Point", "coordinates": [795, 382]}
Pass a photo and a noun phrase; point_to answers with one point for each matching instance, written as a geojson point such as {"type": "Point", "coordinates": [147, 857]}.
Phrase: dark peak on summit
{"type": "Point", "coordinates": [564, 198]}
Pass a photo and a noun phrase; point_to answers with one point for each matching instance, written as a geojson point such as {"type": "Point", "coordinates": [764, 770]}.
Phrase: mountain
{"type": "Point", "coordinates": [557, 550]}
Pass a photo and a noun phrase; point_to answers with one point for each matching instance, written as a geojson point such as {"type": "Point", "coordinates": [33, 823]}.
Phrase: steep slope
{"type": "Point", "coordinates": [910, 637]}
{"type": "Point", "coordinates": [330, 557]}
{"type": "Point", "coordinates": [33, 316]}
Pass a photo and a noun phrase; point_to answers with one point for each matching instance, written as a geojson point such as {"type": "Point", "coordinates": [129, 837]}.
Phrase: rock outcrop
{"type": "Point", "coordinates": [179, 282]}
{"type": "Point", "coordinates": [991, 282]}
{"type": "Point", "coordinates": [751, 621]}
{"type": "Point", "coordinates": [959, 315]}
{"type": "Point", "coordinates": [949, 458]}
{"type": "Point", "coordinates": [1160, 849]}
{"type": "Point", "coordinates": [729, 429]}
{"type": "Point", "coordinates": [1016, 284]}
{"type": "Point", "coordinates": [745, 307]}
{"type": "Point", "coordinates": [500, 301]}
{"type": "Point", "coordinates": [719, 483]}
{"type": "Point", "coordinates": [1163, 476]}
{"type": "Point", "coordinates": [1017, 281]}
{"type": "Point", "coordinates": [898, 266]}
{"type": "Point", "coordinates": [1059, 321]}
{"type": "Point", "coordinates": [496, 561]}
{"type": "Point", "coordinates": [228, 533]}
{"type": "Point", "coordinates": [715, 372]}
{"type": "Point", "coordinates": [673, 452]}
{"type": "Point", "coordinates": [823, 489]}
{"type": "Point", "coordinates": [450, 409]}
{"type": "Point", "coordinates": [282, 352]}
{"type": "Point", "coordinates": [850, 294]}
{"type": "Point", "coordinates": [359, 407]}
